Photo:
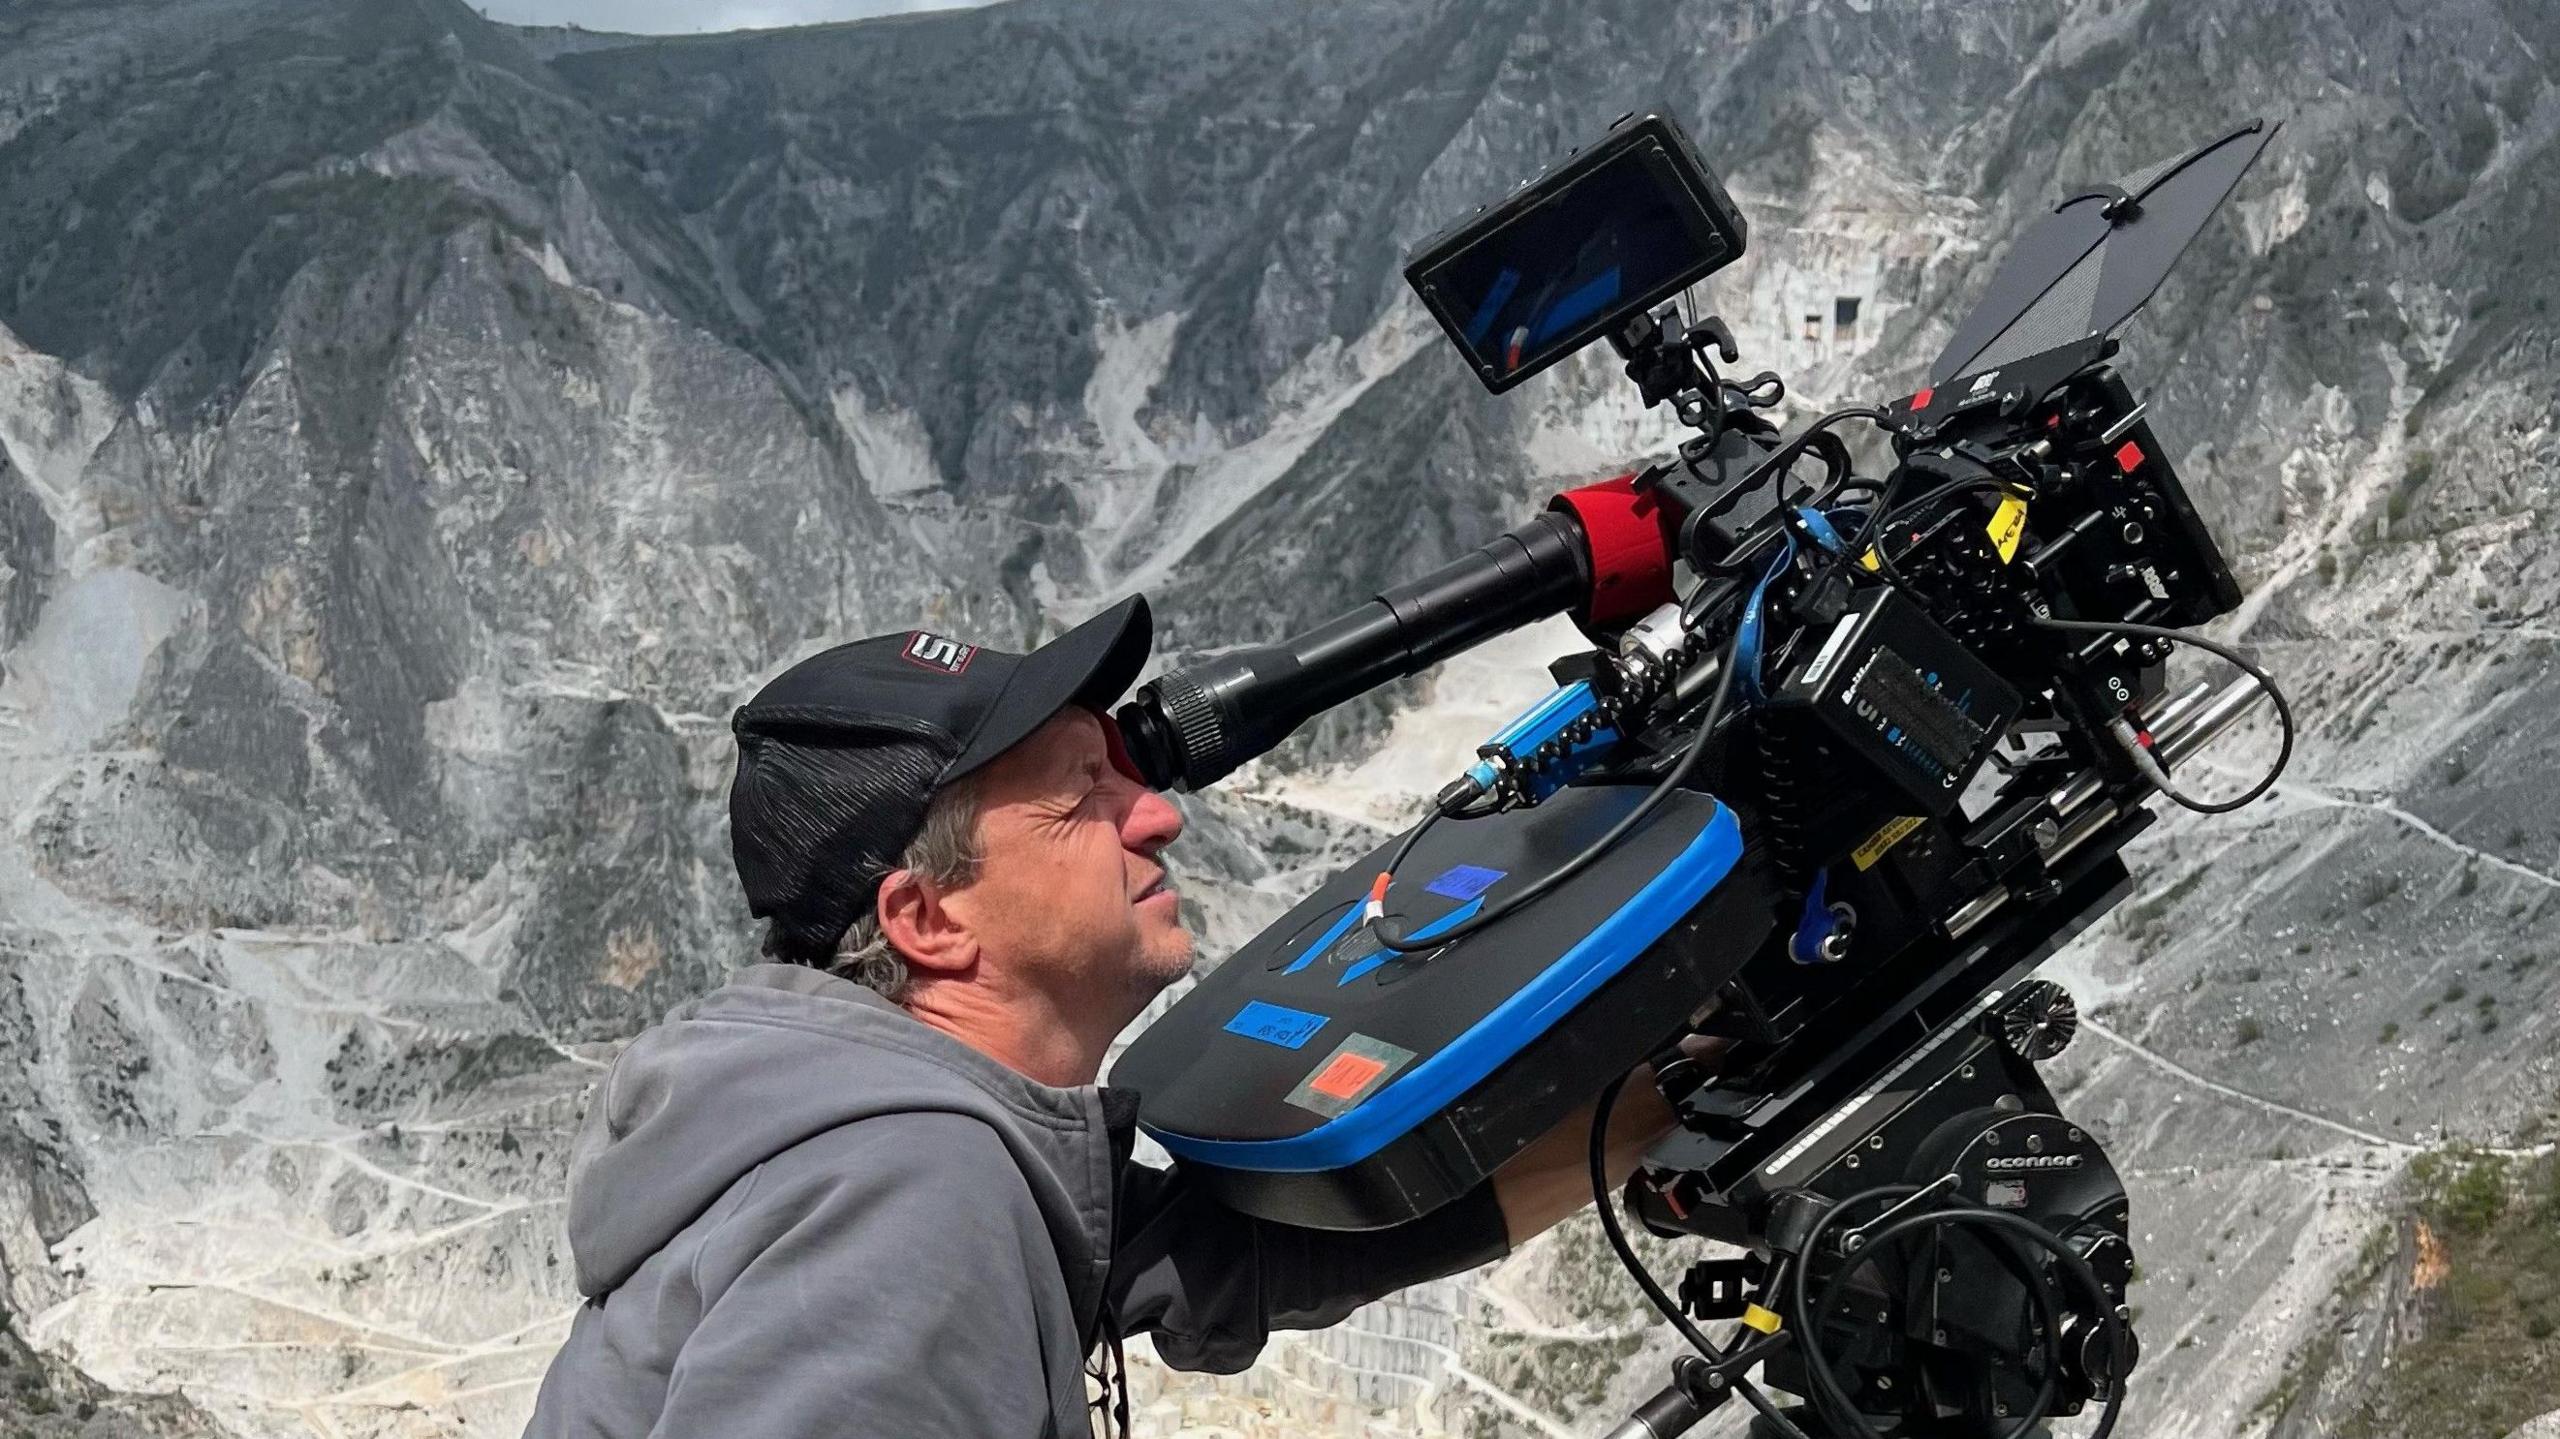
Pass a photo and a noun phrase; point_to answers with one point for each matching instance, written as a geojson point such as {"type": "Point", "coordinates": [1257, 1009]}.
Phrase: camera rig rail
{"type": "Point", "coordinates": [1849, 758]}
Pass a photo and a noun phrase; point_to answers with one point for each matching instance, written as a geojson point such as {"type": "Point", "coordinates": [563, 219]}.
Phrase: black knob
{"type": "Point", "coordinates": [2039, 1020]}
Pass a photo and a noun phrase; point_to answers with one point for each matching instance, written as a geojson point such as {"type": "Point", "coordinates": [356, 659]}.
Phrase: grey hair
{"type": "Point", "coordinates": [944, 852]}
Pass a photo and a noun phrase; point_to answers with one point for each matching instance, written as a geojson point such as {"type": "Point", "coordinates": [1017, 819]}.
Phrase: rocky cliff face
{"type": "Point", "coordinates": [415, 435]}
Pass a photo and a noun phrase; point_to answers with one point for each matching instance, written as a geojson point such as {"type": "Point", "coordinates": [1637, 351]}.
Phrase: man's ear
{"type": "Point", "coordinates": [918, 925]}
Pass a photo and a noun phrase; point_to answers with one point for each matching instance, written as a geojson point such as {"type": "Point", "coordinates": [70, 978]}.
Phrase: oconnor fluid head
{"type": "Point", "coordinates": [1850, 756]}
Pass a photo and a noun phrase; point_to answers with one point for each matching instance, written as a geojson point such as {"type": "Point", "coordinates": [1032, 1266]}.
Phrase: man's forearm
{"type": "Point", "coordinates": [1552, 1177]}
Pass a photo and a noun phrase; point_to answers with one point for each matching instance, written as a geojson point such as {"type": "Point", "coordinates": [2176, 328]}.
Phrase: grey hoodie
{"type": "Point", "coordinates": [797, 1211]}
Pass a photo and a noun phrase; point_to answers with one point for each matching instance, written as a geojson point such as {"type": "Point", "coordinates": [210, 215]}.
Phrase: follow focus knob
{"type": "Point", "coordinates": [2040, 1020]}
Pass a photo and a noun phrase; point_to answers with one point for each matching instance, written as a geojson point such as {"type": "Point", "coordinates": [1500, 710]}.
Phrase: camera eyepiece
{"type": "Point", "coordinates": [1191, 727]}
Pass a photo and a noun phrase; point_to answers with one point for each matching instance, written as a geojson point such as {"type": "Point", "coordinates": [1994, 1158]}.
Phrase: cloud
{"type": "Point", "coordinates": [686, 17]}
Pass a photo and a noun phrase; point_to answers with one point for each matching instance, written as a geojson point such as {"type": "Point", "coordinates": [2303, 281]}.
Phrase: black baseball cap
{"type": "Point", "coordinates": [840, 755]}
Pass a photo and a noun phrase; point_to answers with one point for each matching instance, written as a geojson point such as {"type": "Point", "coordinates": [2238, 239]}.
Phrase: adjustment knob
{"type": "Point", "coordinates": [2040, 1020]}
{"type": "Point", "coordinates": [2090, 1361]}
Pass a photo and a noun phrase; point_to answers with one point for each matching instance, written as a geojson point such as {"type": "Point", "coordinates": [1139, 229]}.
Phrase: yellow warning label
{"type": "Point", "coordinates": [2008, 526]}
{"type": "Point", "coordinates": [1869, 558]}
{"type": "Point", "coordinates": [1866, 855]}
{"type": "Point", "coordinates": [1760, 1319]}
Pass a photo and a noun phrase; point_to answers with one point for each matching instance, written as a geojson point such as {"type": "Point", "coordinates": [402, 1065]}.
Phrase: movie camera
{"type": "Point", "coordinates": [1850, 756]}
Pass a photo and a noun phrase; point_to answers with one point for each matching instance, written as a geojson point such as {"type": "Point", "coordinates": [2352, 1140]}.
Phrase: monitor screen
{"type": "Point", "coordinates": [1571, 259]}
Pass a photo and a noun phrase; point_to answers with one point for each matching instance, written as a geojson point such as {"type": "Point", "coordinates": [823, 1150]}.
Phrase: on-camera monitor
{"type": "Point", "coordinates": [1575, 256]}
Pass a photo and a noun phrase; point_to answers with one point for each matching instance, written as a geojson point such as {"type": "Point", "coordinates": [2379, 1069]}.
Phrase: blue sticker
{"type": "Point", "coordinates": [1464, 881]}
{"type": "Point", "coordinates": [1274, 1024]}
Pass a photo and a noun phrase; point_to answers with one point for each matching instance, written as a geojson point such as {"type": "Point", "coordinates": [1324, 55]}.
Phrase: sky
{"type": "Point", "coordinates": [686, 17]}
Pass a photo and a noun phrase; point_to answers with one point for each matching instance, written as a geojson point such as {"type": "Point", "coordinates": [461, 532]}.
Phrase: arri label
{"type": "Point", "coordinates": [1275, 1024]}
{"type": "Point", "coordinates": [1464, 881]}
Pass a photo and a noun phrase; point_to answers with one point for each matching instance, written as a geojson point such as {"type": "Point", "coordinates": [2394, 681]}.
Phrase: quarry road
{"type": "Point", "coordinates": [1517, 1318]}
{"type": "Point", "coordinates": [2170, 1066]}
{"type": "Point", "coordinates": [2314, 797]}
{"type": "Point", "coordinates": [1545, 1423]}
{"type": "Point", "coordinates": [2400, 1147]}
{"type": "Point", "coordinates": [2327, 799]}
{"type": "Point", "coordinates": [1424, 1389]}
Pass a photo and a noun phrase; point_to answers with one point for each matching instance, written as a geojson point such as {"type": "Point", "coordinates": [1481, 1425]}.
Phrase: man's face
{"type": "Point", "coordinates": [1070, 896]}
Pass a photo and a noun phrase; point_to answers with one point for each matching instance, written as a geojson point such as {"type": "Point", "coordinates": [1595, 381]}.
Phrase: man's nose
{"type": "Point", "coordinates": [1152, 824]}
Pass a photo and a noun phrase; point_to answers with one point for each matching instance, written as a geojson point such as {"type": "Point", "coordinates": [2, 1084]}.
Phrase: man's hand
{"type": "Point", "coordinates": [1552, 1177]}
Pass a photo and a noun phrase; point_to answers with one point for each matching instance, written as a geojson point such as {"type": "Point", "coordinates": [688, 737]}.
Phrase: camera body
{"type": "Point", "coordinates": [1850, 757]}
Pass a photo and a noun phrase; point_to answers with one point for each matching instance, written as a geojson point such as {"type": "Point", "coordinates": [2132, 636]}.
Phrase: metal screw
{"type": "Point", "coordinates": [1715, 1379]}
{"type": "Point", "coordinates": [1875, 1141]}
{"type": "Point", "coordinates": [2035, 1144]}
{"type": "Point", "coordinates": [1884, 1381]}
{"type": "Point", "coordinates": [1965, 1073]}
{"type": "Point", "coordinates": [1992, 1139]}
{"type": "Point", "coordinates": [1938, 1336]}
{"type": "Point", "coordinates": [1946, 1276]}
{"type": "Point", "coordinates": [2000, 1408]}
{"type": "Point", "coordinates": [1854, 1243]}
{"type": "Point", "coordinates": [1851, 1161]}
{"type": "Point", "coordinates": [2132, 533]}
{"type": "Point", "coordinates": [2075, 1134]}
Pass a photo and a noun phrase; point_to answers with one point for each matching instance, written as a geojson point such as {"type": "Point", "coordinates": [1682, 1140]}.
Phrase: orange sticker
{"type": "Point", "coordinates": [1346, 1076]}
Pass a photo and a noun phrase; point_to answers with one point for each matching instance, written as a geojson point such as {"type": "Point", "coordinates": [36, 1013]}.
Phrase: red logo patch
{"type": "Point", "coordinates": [933, 652]}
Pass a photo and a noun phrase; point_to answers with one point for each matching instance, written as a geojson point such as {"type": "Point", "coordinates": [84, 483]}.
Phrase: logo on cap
{"type": "Point", "coordinates": [936, 653]}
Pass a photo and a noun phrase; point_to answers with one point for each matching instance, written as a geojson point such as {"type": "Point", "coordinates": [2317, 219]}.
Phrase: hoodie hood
{"type": "Point", "coordinates": [782, 1054]}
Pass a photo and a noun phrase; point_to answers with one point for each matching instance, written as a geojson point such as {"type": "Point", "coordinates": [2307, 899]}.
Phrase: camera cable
{"type": "Point", "coordinates": [1809, 1318]}
{"type": "Point", "coordinates": [1730, 1363]}
{"type": "Point", "coordinates": [1786, 454]}
{"type": "Point", "coordinates": [1452, 800]}
{"type": "Point", "coordinates": [2143, 757]}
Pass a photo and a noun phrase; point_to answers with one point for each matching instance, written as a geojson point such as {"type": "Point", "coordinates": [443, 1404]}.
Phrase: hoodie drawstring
{"type": "Point", "coordinates": [1110, 1369]}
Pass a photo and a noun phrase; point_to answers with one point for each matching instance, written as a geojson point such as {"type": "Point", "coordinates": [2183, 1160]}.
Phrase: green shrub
{"type": "Point", "coordinates": [2462, 1188]}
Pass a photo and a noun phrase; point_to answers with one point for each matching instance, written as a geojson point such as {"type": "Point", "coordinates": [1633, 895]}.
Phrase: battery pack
{"type": "Point", "coordinates": [1321, 1080]}
{"type": "Point", "coordinates": [1904, 696]}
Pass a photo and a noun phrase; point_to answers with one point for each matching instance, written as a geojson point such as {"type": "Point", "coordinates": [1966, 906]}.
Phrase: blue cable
{"type": "Point", "coordinates": [1815, 923]}
{"type": "Point", "coordinates": [1746, 636]}
{"type": "Point", "coordinates": [1826, 535]}
{"type": "Point", "coordinates": [1818, 525]}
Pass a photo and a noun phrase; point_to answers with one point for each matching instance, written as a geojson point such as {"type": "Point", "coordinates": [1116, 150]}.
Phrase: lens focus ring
{"type": "Point", "coordinates": [1199, 733]}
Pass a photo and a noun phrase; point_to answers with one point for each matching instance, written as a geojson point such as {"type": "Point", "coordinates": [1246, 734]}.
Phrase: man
{"type": "Point", "coordinates": [873, 1188]}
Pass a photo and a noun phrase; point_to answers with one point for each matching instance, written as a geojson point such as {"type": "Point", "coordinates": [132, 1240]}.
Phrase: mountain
{"type": "Point", "coordinates": [417, 434]}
